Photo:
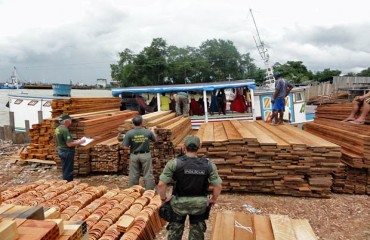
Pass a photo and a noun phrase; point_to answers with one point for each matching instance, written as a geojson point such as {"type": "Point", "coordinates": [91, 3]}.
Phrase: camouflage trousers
{"type": "Point", "coordinates": [196, 230]}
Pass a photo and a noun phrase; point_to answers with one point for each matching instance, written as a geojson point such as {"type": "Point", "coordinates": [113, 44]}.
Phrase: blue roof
{"type": "Point", "coordinates": [185, 87]}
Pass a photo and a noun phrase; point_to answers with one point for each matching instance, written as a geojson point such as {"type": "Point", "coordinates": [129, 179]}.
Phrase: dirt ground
{"type": "Point", "coordinates": [341, 217]}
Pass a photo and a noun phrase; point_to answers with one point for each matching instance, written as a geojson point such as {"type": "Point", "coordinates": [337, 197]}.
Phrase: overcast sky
{"type": "Point", "coordinates": [58, 41]}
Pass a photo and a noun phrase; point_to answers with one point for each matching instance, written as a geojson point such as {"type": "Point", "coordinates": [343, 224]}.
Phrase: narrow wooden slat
{"type": "Point", "coordinates": [282, 227]}
{"type": "Point", "coordinates": [208, 135]}
{"type": "Point", "coordinates": [223, 229]}
{"type": "Point", "coordinates": [244, 226]}
{"type": "Point", "coordinates": [262, 228]}
{"type": "Point", "coordinates": [219, 132]}
{"type": "Point", "coordinates": [303, 229]}
{"type": "Point", "coordinates": [231, 132]}
{"type": "Point", "coordinates": [262, 138]}
{"type": "Point", "coordinates": [245, 133]}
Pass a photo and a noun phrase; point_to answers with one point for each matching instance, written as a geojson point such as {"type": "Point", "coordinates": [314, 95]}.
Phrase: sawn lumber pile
{"type": "Point", "coordinates": [338, 111]}
{"type": "Point", "coordinates": [258, 157]}
{"type": "Point", "coordinates": [229, 225]}
{"type": "Point", "coordinates": [100, 126]}
{"type": "Point", "coordinates": [83, 105]}
{"type": "Point", "coordinates": [103, 213]}
{"type": "Point", "coordinates": [354, 175]}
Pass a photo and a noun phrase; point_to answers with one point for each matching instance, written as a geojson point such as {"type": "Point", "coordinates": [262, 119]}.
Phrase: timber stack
{"type": "Point", "coordinates": [83, 105]}
{"type": "Point", "coordinates": [354, 175]}
{"type": "Point", "coordinates": [72, 210]}
{"type": "Point", "coordinates": [258, 157]}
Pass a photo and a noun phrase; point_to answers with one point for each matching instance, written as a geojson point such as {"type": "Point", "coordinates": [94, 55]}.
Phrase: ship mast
{"type": "Point", "coordinates": [262, 50]}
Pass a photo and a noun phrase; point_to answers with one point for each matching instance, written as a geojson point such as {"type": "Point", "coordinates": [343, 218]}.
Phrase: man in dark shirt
{"type": "Point", "coordinates": [66, 146]}
{"type": "Point", "coordinates": [138, 139]}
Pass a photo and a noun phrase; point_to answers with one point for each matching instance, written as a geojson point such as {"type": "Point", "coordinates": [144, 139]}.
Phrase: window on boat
{"type": "Point", "coordinates": [47, 104]}
{"type": "Point", "coordinates": [298, 97]}
{"type": "Point", "coordinates": [18, 101]}
{"type": "Point", "coordinates": [32, 102]}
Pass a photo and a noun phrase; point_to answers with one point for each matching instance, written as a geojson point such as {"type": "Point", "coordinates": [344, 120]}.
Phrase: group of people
{"type": "Point", "coordinates": [190, 174]}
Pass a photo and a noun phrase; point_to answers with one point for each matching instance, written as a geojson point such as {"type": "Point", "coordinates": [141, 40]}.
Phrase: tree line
{"type": "Point", "coordinates": [214, 60]}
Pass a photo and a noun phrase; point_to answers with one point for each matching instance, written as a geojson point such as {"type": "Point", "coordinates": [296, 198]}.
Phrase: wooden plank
{"type": "Point", "coordinates": [231, 132]}
{"type": "Point", "coordinates": [245, 133]}
{"type": "Point", "coordinates": [262, 228]}
{"type": "Point", "coordinates": [208, 135]}
{"type": "Point", "coordinates": [223, 229]}
{"type": "Point", "coordinates": [282, 227]}
{"type": "Point", "coordinates": [219, 132]}
{"type": "Point", "coordinates": [281, 133]}
{"type": "Point", "coordinates": [303, 229]}
{"type": "Point", "coordinates": [244, 226]}
{"type": "Point", "coordinates": [8, 230]}
{"type": "Point", "coordinates": [262, 138]}
{"type": "Point", "coordinates": [40, 161]}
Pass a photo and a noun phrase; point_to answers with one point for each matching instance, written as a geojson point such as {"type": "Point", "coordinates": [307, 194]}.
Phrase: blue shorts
{"type": "Point", "coordinates": [279, 104]}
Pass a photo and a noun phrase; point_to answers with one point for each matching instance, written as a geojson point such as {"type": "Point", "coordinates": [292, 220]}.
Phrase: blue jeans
{"type": "Point", "coordinates": [68, 159]}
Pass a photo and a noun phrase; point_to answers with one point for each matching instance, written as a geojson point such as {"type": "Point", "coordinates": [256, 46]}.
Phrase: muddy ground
{"type": "Point", "coordinates": [341, 217]}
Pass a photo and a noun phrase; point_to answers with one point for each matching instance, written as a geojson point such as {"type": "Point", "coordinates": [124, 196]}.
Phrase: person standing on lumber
{"type": "Point", "coordinates": [282, 89]}
{"type": "Point", "coordinates": [182, 103]}
{"type": "Point", "coordinates": [165, 102]}
{"type": "Point", "coordinates": [66, 146]}
{"type": "Point", "coordinates": [192, 176]}
{"type": "Point", "coordinates": [358, 103]}
{"type": "Point", "coordinates": [138, 140]}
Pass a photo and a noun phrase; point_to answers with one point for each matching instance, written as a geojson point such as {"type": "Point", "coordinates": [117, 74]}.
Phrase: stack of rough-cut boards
{"type": "Point", "coordinates": [25, 222]}
{"type": "Point", "coordinates": [100, 126]}
{"type": "Point", "coordinates": [259, 157]}
{"type": "Point", "coordinates": [105, 214]}
{"type": "Point", "coordinates": [170, 130]}
{"type": "Point", "coordinates": [83, 105]}
{"type": "Point", "coordinates": [229, 225]}
{"type": "Point", "coordinates": [354, 175]}
{"type": "Point", "coordinates": [337, 112]}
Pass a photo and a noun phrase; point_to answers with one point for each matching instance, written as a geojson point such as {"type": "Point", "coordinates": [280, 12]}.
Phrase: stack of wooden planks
{"type": "Point", "coordinates": [105, 157]}
{"type": "Point", "coordinates": [337, 112]}
{"type": "Point", "coordinates": [101, 126]}
{"type": "Point", "coordinates": [101, 212]}
{"type": "Point", "coordinates": [258, 157]}
{"type": "Point", "coordinates": [354, 175]}
{"type": "Point", "coordinates": [83, 105]}
{"type": "Point", "coordinates": [229, 225]}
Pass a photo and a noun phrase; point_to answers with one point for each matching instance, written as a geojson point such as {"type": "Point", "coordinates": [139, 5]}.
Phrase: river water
{"type": "Point", "coordinates": [4, 111]}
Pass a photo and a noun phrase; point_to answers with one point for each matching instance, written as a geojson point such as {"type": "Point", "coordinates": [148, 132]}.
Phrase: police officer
{"type": "Point", "coordinates": [192, 176]}
{"type": "Point", "coordinates": [66, 146]}
{"type": "Point", "coordinates": [138, 139]}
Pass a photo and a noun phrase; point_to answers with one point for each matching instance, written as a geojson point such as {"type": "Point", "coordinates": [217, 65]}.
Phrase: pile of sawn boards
{"type": "Point", "coordinates": [97, 125]}
{"type": "Point", "coordinates": [83, 105]}
{"type": "Point", "coordinates": [229, 225]}
{"type": "Point", "coordinates": [72, 210]}
{"type": "Point", "coordinates": [354, 174]}
{"type": "Point", "coordinates": [258, 157]}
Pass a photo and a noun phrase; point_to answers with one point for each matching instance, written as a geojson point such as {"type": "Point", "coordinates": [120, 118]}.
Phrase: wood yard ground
{"type": "Point", "coordinates": [341, 217]}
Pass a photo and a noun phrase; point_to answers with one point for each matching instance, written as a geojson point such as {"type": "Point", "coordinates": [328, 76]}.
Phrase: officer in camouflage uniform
{"type": "Point", "coordinates": [192, 176]}
{"type": "Point", "coordinates": [138, 139]}
{"type": "Point", "coordinates": [66, 146]}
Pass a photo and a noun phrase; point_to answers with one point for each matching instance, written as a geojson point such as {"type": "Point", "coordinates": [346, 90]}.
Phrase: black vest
{"type": "Point", "coordinates": [191, 176]}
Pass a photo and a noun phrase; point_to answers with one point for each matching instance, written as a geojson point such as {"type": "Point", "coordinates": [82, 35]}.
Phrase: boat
{"type": "Point", "coordinates": [14, 83]}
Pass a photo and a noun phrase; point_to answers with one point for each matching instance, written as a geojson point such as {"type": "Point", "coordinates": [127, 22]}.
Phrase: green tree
{"type": "Point", "coordinates": [294, 71]}
{"type": "Point", "coordinates": [223, 58]}
{"type": "Point", "coordinates": [326, 75]}
{"type": "Point", "coordinates": [364, 73]}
